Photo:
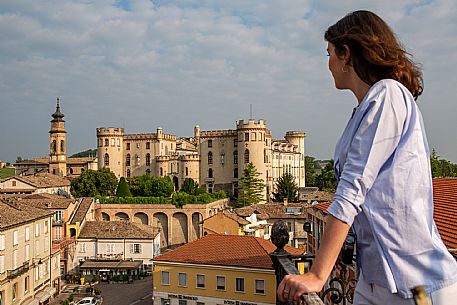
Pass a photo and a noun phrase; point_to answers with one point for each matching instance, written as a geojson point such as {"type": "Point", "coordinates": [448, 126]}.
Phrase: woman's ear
{"type": "Point", "coordinates": [346, 57]}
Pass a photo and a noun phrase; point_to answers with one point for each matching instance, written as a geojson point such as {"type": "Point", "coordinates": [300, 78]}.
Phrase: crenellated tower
{"type": "Point", "coordinates": [58, 142]}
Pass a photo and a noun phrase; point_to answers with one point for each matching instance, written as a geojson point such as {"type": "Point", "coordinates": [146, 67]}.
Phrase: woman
{"type": "Point", "coordinates": [382, 164]}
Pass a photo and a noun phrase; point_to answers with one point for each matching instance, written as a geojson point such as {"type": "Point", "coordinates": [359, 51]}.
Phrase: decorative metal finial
{"type": "Point", "coordinates": [279, 234]}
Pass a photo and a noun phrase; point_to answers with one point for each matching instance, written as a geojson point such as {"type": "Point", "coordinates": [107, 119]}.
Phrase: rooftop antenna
{"type": "Point", "coordinates": [250, 111]}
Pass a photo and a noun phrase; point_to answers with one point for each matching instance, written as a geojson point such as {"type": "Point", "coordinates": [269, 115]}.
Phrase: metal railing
{"type": "Point", "coordinates": [282, 262]}
{"type": "Point", "coordinates": [11, 274]}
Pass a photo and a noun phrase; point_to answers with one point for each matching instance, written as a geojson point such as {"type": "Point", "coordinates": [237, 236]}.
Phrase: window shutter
{"type": "Point", "coordinates": [2, 242]}
{"type": "Point", "coordinates": [2, 267]}
{"type": "Point", "coordinates": [132, 248]}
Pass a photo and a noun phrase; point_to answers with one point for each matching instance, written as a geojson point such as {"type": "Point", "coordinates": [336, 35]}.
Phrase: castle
{"type": "Point", "coordinates": [215, 158]}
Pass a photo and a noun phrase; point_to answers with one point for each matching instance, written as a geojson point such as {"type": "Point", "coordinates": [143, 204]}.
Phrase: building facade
{"type": "Point", "coordinates": [217, 269]}
{"type": "Point", "coordinates": [28, 268]}
{"type": "Point", "coordinates": [215, 159]}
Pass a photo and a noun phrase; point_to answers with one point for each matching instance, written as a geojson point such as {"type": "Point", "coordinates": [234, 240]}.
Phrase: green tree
{"type": "Point", "coordinates": [191, 187]}
{"type": "Point", "coordinates": [92, 183]}
{"type": "Point", "coordinates": [18, 159]}
{"type": "Point", "coordinates": [286, 188]}
{"type": "Point", "coordinates": [86, 153]}
{"type": "Point", "coordinates": [311, 164]}
{"type": "Point", "coordinates": [250, 187]}
{"type": "Point", "coordinates": [441, 167]}
{"type": "Point", "coordinates": [123, 189]}
{"type": "Point", "coordinates": [147, 186]}
{"type": "Point", "coordinates": [326, 180]}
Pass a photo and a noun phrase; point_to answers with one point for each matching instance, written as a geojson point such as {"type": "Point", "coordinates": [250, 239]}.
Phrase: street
{"type": "Point", "coordinates": [138, 293]}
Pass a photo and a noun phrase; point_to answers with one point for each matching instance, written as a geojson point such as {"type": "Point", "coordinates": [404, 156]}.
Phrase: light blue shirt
{"type": "Point", "coordinates": [382, 162]}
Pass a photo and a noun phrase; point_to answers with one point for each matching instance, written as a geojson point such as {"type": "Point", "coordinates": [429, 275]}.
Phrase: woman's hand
{"type": "Point", "coordinates": [292, 287]}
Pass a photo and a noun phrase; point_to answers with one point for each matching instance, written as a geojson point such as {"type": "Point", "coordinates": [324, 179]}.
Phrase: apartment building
{"type": "Point", "coordinates": [217, 269]}
{"type": "Point", "coordinates": [28, 267]}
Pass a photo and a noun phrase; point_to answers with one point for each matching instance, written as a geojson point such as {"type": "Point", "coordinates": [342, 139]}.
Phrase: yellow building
{"type": "Point", "coordinates": [225, 222]}
{"type": "Point", "coordinates": [217, 269]}
{"type": "Point", "coordinates": [29, 270]}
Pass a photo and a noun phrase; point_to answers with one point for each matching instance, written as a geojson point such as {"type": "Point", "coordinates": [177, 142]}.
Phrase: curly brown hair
{"type": "Point", "coordinates": [375, 51]}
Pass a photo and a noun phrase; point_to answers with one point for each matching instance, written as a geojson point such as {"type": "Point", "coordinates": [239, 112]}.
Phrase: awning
{"type": "Point", "coordinates": [52, 291]}
{"type": "Point", "coordinates": [112, 265]}
{"type": "Point", "coordinates": [44, 295]}
{"type": "Point", "coordinates": [32, 302]}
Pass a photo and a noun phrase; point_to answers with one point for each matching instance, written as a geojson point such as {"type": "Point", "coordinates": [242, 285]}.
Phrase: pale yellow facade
{"type": "Point", "coordinates": [215, 159]}
{"type": "Point", "coordinates": [175, 291]}
{"type": "Point", "coordinates": [27, 268]}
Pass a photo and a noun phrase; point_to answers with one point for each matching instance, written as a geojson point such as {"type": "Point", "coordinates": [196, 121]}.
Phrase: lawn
{"type": "Point", "coordinates": [6, 172]}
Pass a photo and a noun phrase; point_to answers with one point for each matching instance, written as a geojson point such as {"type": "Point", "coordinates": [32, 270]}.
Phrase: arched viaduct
{"type": "Point", "coordinates": [176, 225]}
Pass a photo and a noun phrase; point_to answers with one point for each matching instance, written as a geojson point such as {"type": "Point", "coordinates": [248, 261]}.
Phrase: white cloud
{"type": "Point", "coordinates": [142, 64]}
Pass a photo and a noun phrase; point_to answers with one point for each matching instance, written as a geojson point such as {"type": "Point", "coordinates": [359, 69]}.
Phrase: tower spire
{"type": "Point", "coordinates": [58, 116]}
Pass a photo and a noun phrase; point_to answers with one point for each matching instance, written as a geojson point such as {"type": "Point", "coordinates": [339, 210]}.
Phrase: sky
{"type": "Point", "coordinates": [176, 64]}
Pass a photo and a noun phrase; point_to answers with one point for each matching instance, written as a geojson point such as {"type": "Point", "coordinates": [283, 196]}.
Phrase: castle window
{"type": "Point", "coordinates": [235, 173]}
{"type": "Point", "coordinates": [246, 156]}
{"type": "Point", "coordinates": [246, 136]}
{"type": "Point", "coordinates": [210, 173]}
{"type": "Point", "coordinates": [235, 142]}
{"type": "Point", "coordinates": [253, 136]}
{"type": "Point", "coordinates": [54, 146]}
{"type": "Point", "coordinates": [127, 146]}
{"type": "Point", "coordinates": [148, 159]}
{"type": "Point", "coordinates": [113, 142]}
{"type": "Point", "coordinates": [100, 142]}
{"type": "Point", "coordinates": [106, 160]}
{"type": "Point", "coordinates": [235, 157]}
{"type": "Point", "coordinates": [148, 145]}
{"type": "Point", "coordinates": [210, 143]}
{"type": "Point", "coordinates": [127, 160]}
{"type": "Point", "coordinates": [161, 171]}
{"type": "Point", "coordinates": [210, 158]}
{"type": "Point", "coordinates": [128, 173]}
{"type": "Point", "coordinates": [187, 171]}
{"type": "Point", "coordinates": [118, 142]}
{"type": "Point", "coordinates": [62, 146]}
{"type": "Point", "coordinates": [137, 160]}
{"type": "Point", "coordinates": [106, 142]}
{"type": "Point", "coordinates": [148, 171]}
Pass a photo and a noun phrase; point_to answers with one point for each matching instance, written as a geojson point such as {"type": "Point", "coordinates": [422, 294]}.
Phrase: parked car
{"type": "Point", "coordinates": [88, 301]}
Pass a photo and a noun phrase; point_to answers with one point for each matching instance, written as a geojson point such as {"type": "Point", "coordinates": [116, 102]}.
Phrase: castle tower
{"type": "Point", "coordinates": [252, 148]}
{"type": "Point", "coordinates": [298, 138]}
{"type": "Point", "coordinates": [57, 140]}
{"type": "Point", "coordinates": [110, 149]}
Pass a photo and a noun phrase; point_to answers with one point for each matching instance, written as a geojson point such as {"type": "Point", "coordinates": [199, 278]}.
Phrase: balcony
{"type": "Point", "coordinates": [11, 274]}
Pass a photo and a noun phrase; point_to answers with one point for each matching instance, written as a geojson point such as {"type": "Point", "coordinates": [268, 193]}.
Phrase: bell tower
{"type": "Point", "coordinates": [57, 140]}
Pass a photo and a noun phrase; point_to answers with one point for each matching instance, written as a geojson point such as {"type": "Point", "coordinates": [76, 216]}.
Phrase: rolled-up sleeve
{"type": "Point", "coordinates": [374, 140]}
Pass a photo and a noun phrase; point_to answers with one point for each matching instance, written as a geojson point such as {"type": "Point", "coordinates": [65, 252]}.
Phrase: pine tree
{"type": "Point", "coordinates": [250, 187]}
{"type": "Point", "coordinates": [286, 188]}
{"type": "Point", "coordinates": [123, 189]}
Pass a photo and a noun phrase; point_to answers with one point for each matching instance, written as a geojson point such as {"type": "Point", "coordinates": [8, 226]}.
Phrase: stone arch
{"type": "Point", "coordinates": [105, 217]}
{"type": "Point", "coordinates": [210, 213]}
{"type": "Point", "coordinates": [179, 229]}
{"type": "Point", "coordinates": [197, 225]}
{"type": "Point", "coordinates": [141, 217]}
{"type": "Point", "coordinates": [176, 183]}
{"type": "Point", "coordinates": [161, 222]}
{"type": "Point", "coordinates": [122, 216]}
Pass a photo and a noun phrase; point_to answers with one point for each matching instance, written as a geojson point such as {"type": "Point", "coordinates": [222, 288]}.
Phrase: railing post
{"type": "Point", "coordinates": [282, 262]}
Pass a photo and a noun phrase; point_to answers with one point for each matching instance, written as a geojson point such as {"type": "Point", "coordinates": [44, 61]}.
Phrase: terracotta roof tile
{"type": "Point", "coordinates": [322, 206]}
{"type": "Point", "coordinates": [82, 209]}
{"type": "Point", "coordinates": [15, 213]}
{"type": "Point", "coordinates": [445, 209]}
{"type": "Point", "coordinates": [226, 250]}
{"type": "Point", "coordinates": [117, 229]}
{"type": "Point", "coordinates": [235, 217]}
{"type": "Point", "coordinates": [42, 180]}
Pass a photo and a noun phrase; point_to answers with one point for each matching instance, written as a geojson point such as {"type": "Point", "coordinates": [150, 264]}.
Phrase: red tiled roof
{"type": "Point", "coordinates": [445, 210]}
{"type": "Point", "coordinates": [226, 250]}
{"type": "Point", "coordinates": [322, 206]}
